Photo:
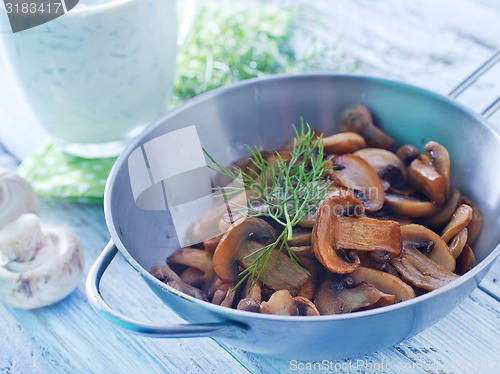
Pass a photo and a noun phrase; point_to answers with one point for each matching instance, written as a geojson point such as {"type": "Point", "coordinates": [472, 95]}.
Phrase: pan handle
{"type": "Point", "coordinates": [213, 330]}
{"type": "Point", "coordinates": [473, 77]}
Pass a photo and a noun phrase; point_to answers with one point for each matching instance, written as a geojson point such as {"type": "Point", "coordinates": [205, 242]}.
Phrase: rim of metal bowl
{"type": "Point", "coordinates": [230, 311]}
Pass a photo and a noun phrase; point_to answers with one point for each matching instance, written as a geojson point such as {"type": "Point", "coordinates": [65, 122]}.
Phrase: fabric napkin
{"type": "Point", "coordinates": [56, 174]}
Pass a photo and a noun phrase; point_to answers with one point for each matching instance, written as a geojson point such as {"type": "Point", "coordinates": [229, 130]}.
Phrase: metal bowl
{"type": "Point", "coordinates": [260, 112]}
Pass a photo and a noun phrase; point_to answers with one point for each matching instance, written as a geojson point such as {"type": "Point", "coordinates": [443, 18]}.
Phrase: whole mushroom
{"type": "Point", "coordinates": [39, 268]}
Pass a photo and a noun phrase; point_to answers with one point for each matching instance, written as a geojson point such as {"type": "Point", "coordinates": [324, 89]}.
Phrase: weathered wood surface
{"type": "Point", "coordinates": [429, 43]}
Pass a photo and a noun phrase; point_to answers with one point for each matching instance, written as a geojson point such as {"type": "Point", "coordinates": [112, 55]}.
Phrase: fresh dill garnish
{"type": "Point", "coordinates": [291, 185]}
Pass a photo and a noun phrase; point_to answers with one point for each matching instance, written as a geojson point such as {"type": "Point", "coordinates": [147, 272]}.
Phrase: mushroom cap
{"type": "Point", "coordinates": [357, 118]}
{"type": "Point", "coordinates": [241, 239]}
{"type": "Point", "coordinates": [47, 278]}
{"type": "Point", "coordinates": [430, 243]}
{"type": "Point", "coordinates": [358, 175]}
{"type": "Point", "coordinates": [344, 142]}
{"type": "Point", "coordinates": [407, 153]}
{"type": "Point", "coordinates": [385, 282]}
{"type": "Point", "coordinates": [460, 219]}
{"type": "Point", "coordinates": [440, 159]}
{"type": "Point", "coordinates": [16, 197]}
{"type": "Point", "coordinates": [410, 206]}
{"type": "Point", "coordinates": [474, 226]}
{"type": "Point", "coordinates": [386, 164]}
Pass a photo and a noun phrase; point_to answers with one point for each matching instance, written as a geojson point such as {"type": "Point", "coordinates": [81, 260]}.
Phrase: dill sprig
{"type": "Point", "coordinates": [292, 186]}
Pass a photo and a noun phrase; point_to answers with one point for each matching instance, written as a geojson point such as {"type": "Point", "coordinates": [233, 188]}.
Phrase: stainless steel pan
{"type": "Point", "coordinates": [259, 112]}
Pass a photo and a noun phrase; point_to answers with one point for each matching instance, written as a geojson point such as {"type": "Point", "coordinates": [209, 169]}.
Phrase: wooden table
{"type": "Point", "coordinates": [428, 43]}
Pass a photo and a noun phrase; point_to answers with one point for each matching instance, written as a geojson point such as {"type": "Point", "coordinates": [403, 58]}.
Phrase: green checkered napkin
{"type": "Point", "coordinates": [56, 174]}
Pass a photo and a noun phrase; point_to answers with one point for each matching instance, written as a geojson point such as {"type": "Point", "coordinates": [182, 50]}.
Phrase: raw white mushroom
{"type": "Point", "coordinates": [16, 197]}
{"type": "Point", "coordinates": [51, 268]}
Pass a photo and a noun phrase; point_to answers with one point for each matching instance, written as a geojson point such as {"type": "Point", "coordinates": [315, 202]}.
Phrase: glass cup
{"type": "Point", "coordinates": [95, 76]}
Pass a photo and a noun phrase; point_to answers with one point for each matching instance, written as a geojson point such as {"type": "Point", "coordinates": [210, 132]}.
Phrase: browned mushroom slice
{"type": "Point", "coordinates": [224, 295]}
{"type": "Point", "coordinates": [429, 243]}
{"type": "Point", "coordinates": [428, 181]}
{"type": "Point", "coordinates": [409, 206]}
{"type": "Point", "coordinates": [474, 226]}
{"type": "Point", "coordinates": [300, 237]}
{"type": "Point", "coordinates": [334, 299]}
{"type": "Point", "coordinates": [465, 261]}
{"type": "Point", "coordinates": [194, 277]}
{"type": "Point", "coordinates": [356, 174]}
{"type": "Point", "coordinates": [440, 159]}
{"type": "Point", "coordinates": [254, 292]}
{"type": "Point", "coordinates": [368, 262]}
{"type": "Point", "coordinates": [303, 250]}
{"type": "Point", "coordinates": [333, 233]}
{"type": "Point", "coordinates": [407, 153]}
{"type": "Point", "coordinates": [385, 282]}
{"type": "Point", "coordinates": [358, 119]}
{"type": "Point", "coordinates": [170, 277]}
{"type": "Point", "coordinates": [345, 142]}
{"type": "Point", "coordinates": [309, 287]}
{"type": "Point", "coordinates": [386, 164]}
{"type": "Point", "coordinates": [443, 216]}
{"type": "Point", "coordinates": [459, 220]}
{"type": "Point", "coordinates": [305, 306]}
{"type": "Point", "coordinates": [248, 305]}
{"type": "Point", "coordinates": [243, 238]}
{"type": "Point", "coordinates": [420, 271]}
{"type": "Point", "coordinates": [211, 244]}
{"type": "Point", "coordinates": [198, 258]}
{"type": "Point", "coordinates": [458, 243]}
{"type": "Point", "coordinates": [280, 303]}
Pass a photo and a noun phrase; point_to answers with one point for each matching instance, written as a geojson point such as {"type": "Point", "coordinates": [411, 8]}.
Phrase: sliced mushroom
{"type": "Point", "coordinates": [428, 181]}
{"type": "Point", "coordinates": [16, 197]}
{"type": "Point", "coordinates": [211, 244]}
{"type": "Point", "coordinates": [358, 119]}
{"type": "Point", "coordinates": [333, 233]}
{"type": "Point", "coordinates": [332, 298]}
{"type": "Point", "coordinates": [474, 226]}
{"type": "Point", "coordinates": [309, 287]}
{"type": "Point", "coordinates": [386, 164]}
{"type": "Point", "coordinates": [368, 262]}
{"type": "Point", "coordinates": [429, 243]}
{"type": "Point", "coordinates": [305, 306]}
{"type": "Point", "coordinates": [407, 153]}
{"type": "Point", "coordinates": [300, 237]}
{"type": "Point", "coordinates": [443, 216]}
{"type": "Point", "coordinates": [356, 174]}
{"type": "Point", "coordinates": [243, 238]}
{"type": "Point", "coordinates": [170, 277]}
{"type": "Point", "coordinates": [385, 214]}
{"type": "Point", "coordinates": [198, 258]}
{"type": "Point", "coordinates": [194, 277]}
{"type": "Point", "coordinates": [280, 303]}
{"type": "Point", "coordinates": [384, 282]}
{"type": "Point", "coordinates": [418, 270]}
{"type": "Point", "coordinates": [440, 159]}
{"type": "Point", "coordinates": [225, 295]}
{"type": "Point", "coordinates": [248, 305]}
{"type": "Point", "coordinates": [458, 243]}
{"type": "Point", "coordinates": [41, 275]}
{"type": "Point", "coordinates": [465, 261]}
{"type": "Point", "coordinates": [410, 206]}
{"type": "Point", "coordinates": [459, 220]}
{"type": "Point", "coordinates": [345, 142]}
{"type": "Point", "coordinates": [254, 292]}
